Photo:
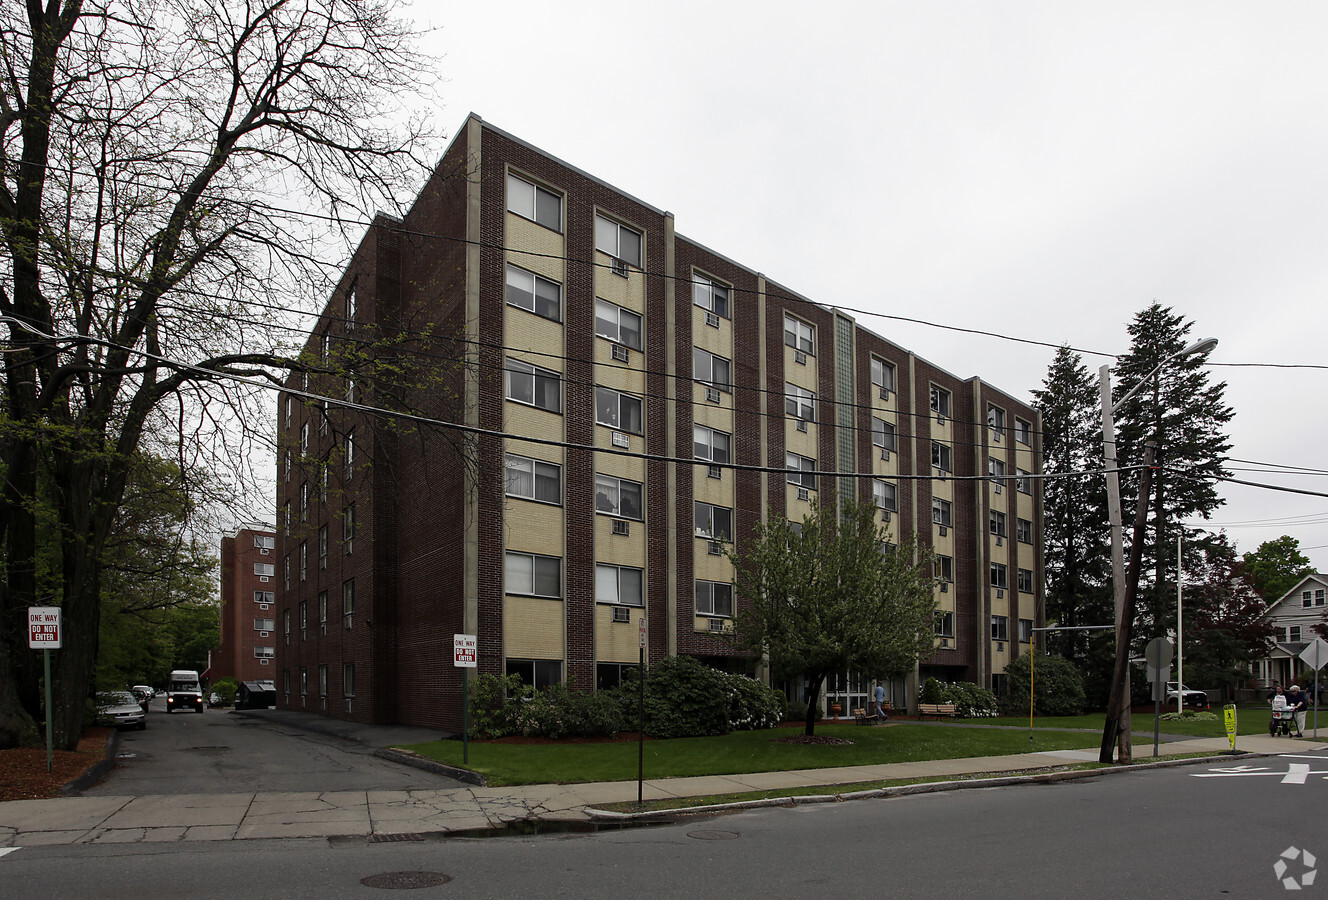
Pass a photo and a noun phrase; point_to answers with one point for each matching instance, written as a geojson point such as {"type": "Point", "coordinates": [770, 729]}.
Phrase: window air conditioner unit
{"type": "Point", "coordinates": [712, 395]}
{"type": "Point", "coordinates": [1000, 593]}
{"type": "Point", "coordinates": [996, 436]}
{"type": "Point", "coordinates": [945, 587]}
{"type": "Point", "coordinates": [264, 605]}
{"type": "Point", "coordinates": [264, 633]}
{"type": "Point", "coordinates": [716, 625]}
{"type": "Point", "coordinates": [618, 439]}
{"type": "Point", "coordinates": [945, 643]}
{"type": "Point", "coordinates": [263, 662]}
{"type": "Point", "coordinates": [802, 425]}
{"type": "Point", "coordinates": [622, 614]}
{"type": "Point", "coordinates": [264, 551]}
{"type": "Point", "coordinates": [1000, 541]}
{"type": "Point", "coordinates": [619, 267]}
{"type": "Point", "coordinates": [621, 527]}
{"type": "Point", "coordinates": [940, 419]}
{"type": "Point", "coordinates": [800, 357]}
{"type": "Point", "coordinates": [1000, 646]}
{"type": "Point", "coordinates": [940, 473]}
{"type": "Point", "coordinates": [620, 353]}
{"type": "Point", "coordinates": [885, 515]}
{"type": "Point", "coordinates": [714, 548]}
{"type": "Point", "coordinates": [998, 487]}
{"type": "Point", "coordinates": [712, 319]}
{"type": "Point", "coordinates": [803, 495]}
{"type": "Point", "coordinates": [885, 393]}
{"type": "Point", "coordinates": [263, 578]}
{"type": "Point", "coordinates": [714, 472]}
{"type": "Point", "coordinates": [885, 454]}
{"type": "Point", "coordinates": [944, 531]}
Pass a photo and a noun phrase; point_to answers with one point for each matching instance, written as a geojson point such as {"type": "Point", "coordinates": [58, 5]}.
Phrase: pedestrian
{"type": "Point", "coordinates": [1296, 700]}
{"type": "Point", "coordinates": [879, 696]}
{"type": "Point", "coordinates": [1277, 689]}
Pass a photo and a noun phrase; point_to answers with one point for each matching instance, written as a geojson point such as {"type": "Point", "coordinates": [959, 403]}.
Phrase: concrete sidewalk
{"type": "Point", "coordinates": [215, 817]}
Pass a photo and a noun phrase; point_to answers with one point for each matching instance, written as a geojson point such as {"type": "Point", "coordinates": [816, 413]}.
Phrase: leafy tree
{"type": "Point", "coordinates": [156, 158]}
{"type": "Point", "coordinates": [1187, 416]}
{"type": "Point", "coordinates": [1075, 526]}
{"type": "Point", "coordinates": [834, 596]}
{"type": "Point", "coordinates": [1276, 567]}
{"type": "Point", "coordinates": [1058, 688]}
{"type": "Point", "coordinates": [1224, 627]}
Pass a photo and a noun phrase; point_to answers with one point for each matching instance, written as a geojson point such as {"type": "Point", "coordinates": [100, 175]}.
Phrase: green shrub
{"type": "Point", "coordinates": [797, 712]}
{"type": "Point", "coordinates": [1057, 684]}
{"type": "Point", "coordinates": [931, 691]}
{"type": "Point", "coordinates": [495, 702]}
{"type": "Point", "coordinates": [226, 688]}
{"type": "Point", "coordinates": [502, 706]}
{"type": "Point", "coordinates": [970, 700]}
{"type": "Point", "coordinates": [683, 698]}
{"type": "Point", "coordinates": [752, 705]}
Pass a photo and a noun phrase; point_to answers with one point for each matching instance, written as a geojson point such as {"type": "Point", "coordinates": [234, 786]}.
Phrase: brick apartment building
{"type": "Point", "coordinates": [630, 401]}
{"type": "Point", "coordinates": [248, 607]}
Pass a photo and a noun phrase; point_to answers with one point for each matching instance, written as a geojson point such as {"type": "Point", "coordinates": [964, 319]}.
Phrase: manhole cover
{"type": "Point", "coordinates": [405, 880]}
{"type": "Point", "coordinates": [713, 835]}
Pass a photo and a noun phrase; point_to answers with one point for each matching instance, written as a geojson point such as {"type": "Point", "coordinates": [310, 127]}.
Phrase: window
{"type": "Point", "coordinates": [322, 482]}
{"type": "Point", "coordinates": [325, 347]}
{"type": "Point", "coordinates": [883, 435]}
{"type": "Point", "coordinates": [286, 518]}
{"type": "Point", "coordinates": [610, 675]}
{"type": "Point", "coordinates": [533, 386]}
{"type": "Point", "coordinates": [1318, 597]}
{"type": "Point", "coordinates": [998, 576]}
{"type": "Point", "coordinates": [617, 324]}
{"type": "Point", "coordinates": [1022, 483]}
{"type": "Point", "coordinates": [1305, 598]}
{"type": "Point", "coordinates": [1000, 628]}
{"type": "Point", "coordinates": [619, 584]}
{"type": "Point", "coordinates": [799, 335]}
{"type": "Point", "coordinates": [710, 295]}
{"type": "Point", "coordinates": [1293, 634]}
{"type": "Point", "coordinates": [940, 401]}
{"type": "Point", "coordinates": [265, 541]}
{"type": "Point", "coordinates": [322, 417]}
{"type": "Point", "coordinates": [537, 673]}
{"type": "Point", "coordinates": [533, 575]}
{"type": "Point", "coordinates": [710, 445]}
{"type": "Point", "coordinates": [714, 599]}
{"type": "Point", "coordinates": [1024, 578]}
{"type": "Point", "coordinates": [617, 410]}
{"type": "Point", "coordinates": [265, 597]}
{"type": "Point", "coordinates": [348, 529]}
{"type": "Point", "coordinates": [265, 624]}
{"type": "Point", "coordinates": [940, 457]}
{"type": "Point", "coordinates": [322, 612]}
{"type": "Point", "coordinates": [944, 568]}
{"type": "Point", "coordinates": [352, 304]}
{"type": "Point", "coordinates": [286, 460]}
{"type": "Point", "coordinates": [1023, 531]}
{"type": "Point", "coordinates": [996, 421]}
{"type": "Point", "coordinates": [996, 469]}
{"type": "Point", "coordinates": [285, 566]}
{"type": "Point", "coordinates": [285, 626]}
{"type": "Point", "coordinates": [304, 440]}
{"type": "Point", "coordinates": [882, 374]}
{"type": "Point", "coordinates": [348, 680]}
{"type": "Point", "coordinates": [800, 470]}
{"type": "Point", "coordinates": [708, 368]}
{"type": "Point", "coordinates": [713, 522]}
{"type": "Point", "coordinates": [304, 560]}
{"type": "Point", "coordinates": [304, 681]}
{"type": "Point", "coordinates": [304, 502]}
{"type": "Point", "coordinates": [886, 495]}
{"type": "Point", "coordinates": [304, 618]}
{"type": "Point", "coordinates": [528, 291]}
{"type": "Point", "coordinates": [534, 479]}
{"type": "Point", "coordinates": [265, 653]}
{"type": "Point", "coordinates": [322, 681]}
{"type": "Point", "coordinates": [348, 603]}
{"type": "Point", "coordinates": [996, 523]}
{"type": "Point", "coordinates": [350, 388]}
{"type": "Point", "coordinates": [350, 453]}
{"type": "Point", "coordinates": [1023, 432]}
{"type": "Point", "coordinates": [530, 201]}
{"type": "Point", "coordinates": [799, 403]}
{"type": "Point", "coordinates": [322, 547]}
{"type": "Point", "coordinates": [266, 570]}
{"type": "Point", "coordinates": [618, 241]}
{"type": "Point", "coordinates": [618, 497]}
{"type": "Point", "coordinates": [943, 623]}
{"type": "Point", "coordinates": [290, 409]}
{"type": "Point", "coordinates": [940, 511]}
{"type": "Point", "coordinates": [1025, 631]}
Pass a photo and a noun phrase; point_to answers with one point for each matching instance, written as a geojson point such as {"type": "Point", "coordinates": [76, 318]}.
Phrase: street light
{"type": "Point", "coordinates": [1118, 706]}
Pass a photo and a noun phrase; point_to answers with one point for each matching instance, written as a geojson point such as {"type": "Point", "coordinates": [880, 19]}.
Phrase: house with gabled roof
{"type": "Point", "coordinates": [1293, 617]}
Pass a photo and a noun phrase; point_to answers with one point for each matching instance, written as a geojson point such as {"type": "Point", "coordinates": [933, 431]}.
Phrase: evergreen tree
{"type": "Point", "coordinates": [1187, 416]}
{"type": "Point", "coordinates": [1074, 519]}
{"type": "Point", "coordinates": [1224, 626]}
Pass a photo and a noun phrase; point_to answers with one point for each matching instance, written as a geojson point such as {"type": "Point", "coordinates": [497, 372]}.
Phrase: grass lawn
{"type": "Point", "coordinates": [744, 751]}
{"type": "Point", "coordinates": [1249, 720]}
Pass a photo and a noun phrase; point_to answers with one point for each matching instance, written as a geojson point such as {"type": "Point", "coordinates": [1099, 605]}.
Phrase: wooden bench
{"type": "Point", "coordinates": [862, 717]}
{"type": "Point", "coordinates": [939, 710]}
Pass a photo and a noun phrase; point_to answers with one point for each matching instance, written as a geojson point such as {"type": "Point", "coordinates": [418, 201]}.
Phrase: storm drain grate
{"type": "Point", "coordinates": [395, 838]}
{"type": "Point", "coordinates": [405, 880]}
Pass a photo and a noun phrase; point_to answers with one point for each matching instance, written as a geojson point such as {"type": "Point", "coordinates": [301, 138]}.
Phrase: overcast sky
{"type": "Point", "coordinates": [1042, 170]}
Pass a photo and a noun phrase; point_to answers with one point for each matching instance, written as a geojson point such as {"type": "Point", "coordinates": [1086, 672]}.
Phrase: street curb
{"type": "Point", "coordinates": [407, 758]}
{"type": "Point", "coordinates": [905, 790]}
{"type": "Point", "coordinates": [97, 771]}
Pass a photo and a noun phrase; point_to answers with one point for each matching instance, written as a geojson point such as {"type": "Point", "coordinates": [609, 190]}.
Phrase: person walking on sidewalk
{"type": "Point", "coordinates": [879, 696]}
{"type": "Point", "coordinates": [1296, 700]}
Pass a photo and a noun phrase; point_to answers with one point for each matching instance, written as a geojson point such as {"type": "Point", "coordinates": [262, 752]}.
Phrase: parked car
{"type": "Point", "coordinates": [144, 695]}
{"type": "Point", "coordinates": [1193, 699]}
{"type": "Point", "coordinates": [120, 709]}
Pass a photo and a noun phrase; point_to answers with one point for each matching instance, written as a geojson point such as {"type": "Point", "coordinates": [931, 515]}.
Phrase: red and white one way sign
{"type": "Point", "coordinates": [44, 627]}
{"type": "Point", "coordinates": [463, 651]}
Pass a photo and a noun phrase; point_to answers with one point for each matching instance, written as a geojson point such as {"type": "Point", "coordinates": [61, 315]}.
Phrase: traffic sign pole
{"type": "Point", "coordinates": [50, 737]}
{"type": "Point", "coordinates": [465, 656]}
{"type": "Point", "coordinates": [44, 635]}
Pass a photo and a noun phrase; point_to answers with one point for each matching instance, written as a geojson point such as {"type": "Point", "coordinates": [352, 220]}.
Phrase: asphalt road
{"type": "Point", "coordinates": [1198, 831]}
{"type": "Point", "coordinates": [217, 752]}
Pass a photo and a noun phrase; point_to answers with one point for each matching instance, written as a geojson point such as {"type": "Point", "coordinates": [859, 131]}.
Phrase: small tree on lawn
{"type": "Point", "coordinates": [834, 595]}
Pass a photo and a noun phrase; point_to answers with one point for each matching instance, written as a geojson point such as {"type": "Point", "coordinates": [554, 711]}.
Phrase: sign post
{"type": "Point", "coordinates": [44, 635]}
{"type": "Point", "coordinates": [463, 658]}
{"type": "Point", "coordinates": [641, 716]}
{"type": "Point", "coordinates": [1158, 657]}
{"type": "Point", "coordinates": [1316, 656]}
{"type": "Point", "coordinates": [1229, 714]}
